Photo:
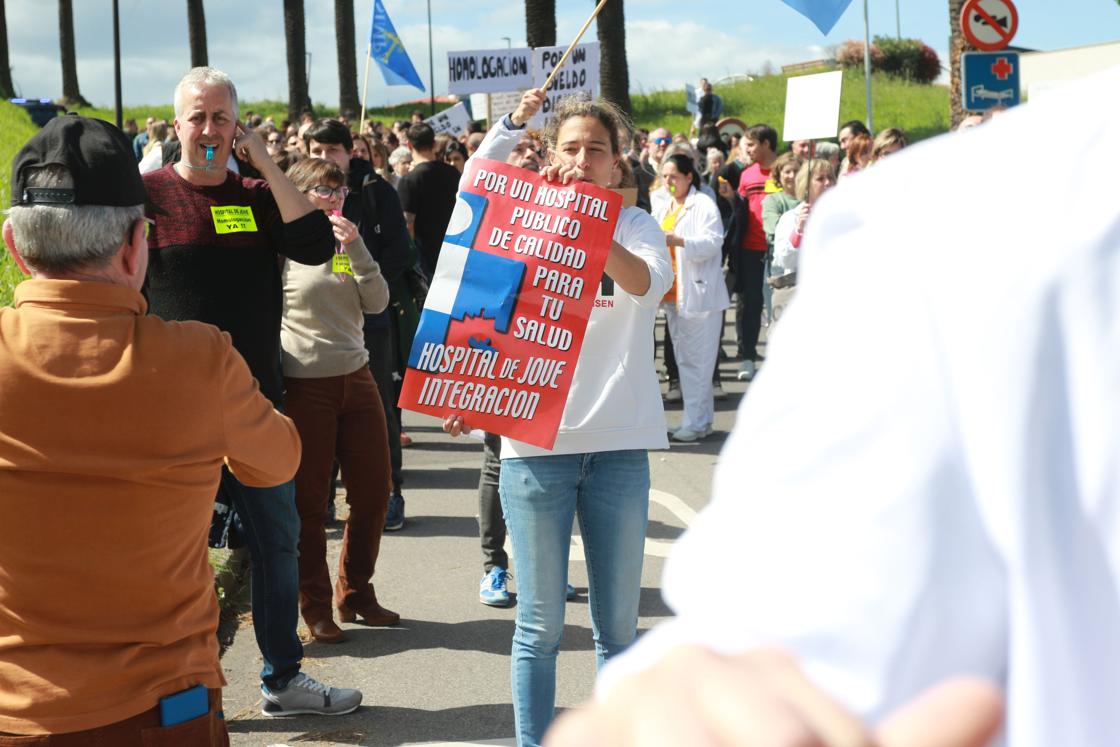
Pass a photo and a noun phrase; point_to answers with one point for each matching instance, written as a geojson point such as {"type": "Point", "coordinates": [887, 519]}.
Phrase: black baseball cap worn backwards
{"type": "Point", "coordinates": [98, 156]}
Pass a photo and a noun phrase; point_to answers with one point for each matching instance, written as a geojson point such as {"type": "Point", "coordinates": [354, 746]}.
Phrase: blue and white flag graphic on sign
{"type": "Point", "coordinates": [467, 283]}
{"type": "Point", "coordinates": [823, 13]}
{"type": "Point", "coordinates": [386, 47]}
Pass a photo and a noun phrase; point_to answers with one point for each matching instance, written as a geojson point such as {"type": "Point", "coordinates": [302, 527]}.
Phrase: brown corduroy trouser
{"type": "Point", "coordinates": [339, 417]}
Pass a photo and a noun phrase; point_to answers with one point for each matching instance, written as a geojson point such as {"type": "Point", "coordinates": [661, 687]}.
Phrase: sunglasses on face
{"type": "Point", "coordinates": [661, 140]}
{"type": "Point", "coordinates": [327, 193]}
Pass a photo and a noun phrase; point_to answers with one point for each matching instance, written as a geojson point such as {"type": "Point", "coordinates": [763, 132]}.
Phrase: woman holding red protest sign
{"type": "Point", "coordinates": [598, 468]}
{"type": "Point", "coordinates": [694, 232]}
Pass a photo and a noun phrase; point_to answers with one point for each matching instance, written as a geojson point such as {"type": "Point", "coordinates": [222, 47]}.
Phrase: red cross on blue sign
{"type": "Point", "coordinates": [1002, 69]}
{"type": "Point", "coordinates": [989, 79]}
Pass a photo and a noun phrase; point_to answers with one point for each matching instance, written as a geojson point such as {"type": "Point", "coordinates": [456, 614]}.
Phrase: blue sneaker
{"type": "Point", "coordinates": [492, 589]}
{"type": "Point", "coordinates": [394, 517]}
{"type": "Point", "coordinates": [570, 594]}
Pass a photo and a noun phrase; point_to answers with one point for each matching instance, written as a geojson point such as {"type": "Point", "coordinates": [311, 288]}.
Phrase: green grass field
{"type": "Point", "coordinates": [15, 128]}
{"type": "Point", "coordinates": [921, 111]}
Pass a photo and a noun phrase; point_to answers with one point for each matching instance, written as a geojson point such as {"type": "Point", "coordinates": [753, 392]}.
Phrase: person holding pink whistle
{"type": "Point", "coordinates": [330, 394]}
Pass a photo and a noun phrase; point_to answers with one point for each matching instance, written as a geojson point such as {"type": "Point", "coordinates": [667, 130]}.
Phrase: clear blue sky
{"type": "Point", "coordinates": [669, 41]}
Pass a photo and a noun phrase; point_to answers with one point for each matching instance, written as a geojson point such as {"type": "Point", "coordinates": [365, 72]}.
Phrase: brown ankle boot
{"type": "Point", "coordinates": [325, 631]}
{"type": "Point", "coordinates": [371, 614]}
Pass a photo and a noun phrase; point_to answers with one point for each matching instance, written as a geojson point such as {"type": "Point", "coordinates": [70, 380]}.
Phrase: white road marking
{"type": "Point", "coordinates": [654, 548]}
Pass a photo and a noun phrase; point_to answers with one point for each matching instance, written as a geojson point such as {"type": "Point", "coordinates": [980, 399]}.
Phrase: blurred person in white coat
{"type": "Point", "coordinates": [694, 232]}
{"type": "Point", "coordinates": [948, 507]}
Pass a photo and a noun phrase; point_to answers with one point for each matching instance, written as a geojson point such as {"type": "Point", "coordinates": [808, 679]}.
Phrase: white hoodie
{"type": "Point", "coordinates": [615, 400]}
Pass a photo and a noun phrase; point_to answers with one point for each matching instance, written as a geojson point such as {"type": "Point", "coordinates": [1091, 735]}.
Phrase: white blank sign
{"type": "Point", "coordinates": [812, 106]}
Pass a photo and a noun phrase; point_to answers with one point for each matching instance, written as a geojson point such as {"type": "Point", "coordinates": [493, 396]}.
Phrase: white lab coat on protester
{"type": "Point", "coordinates": [694, 322]}
{"type": "Point", "coordinates": [949, 501]}
{"type": "Point", "coordinates": [700, 284]}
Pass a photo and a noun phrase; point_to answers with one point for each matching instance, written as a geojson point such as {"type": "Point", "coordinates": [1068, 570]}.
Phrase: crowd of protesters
{"type": "Point", "coordinates": [337, 235]}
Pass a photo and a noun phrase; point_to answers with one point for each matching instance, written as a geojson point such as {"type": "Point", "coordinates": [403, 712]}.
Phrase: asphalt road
{"type": "Point", "coordinates": [442, 675]}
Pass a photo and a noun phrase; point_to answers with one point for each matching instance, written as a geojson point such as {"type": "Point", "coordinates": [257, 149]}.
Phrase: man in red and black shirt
{"type": "Point", "coordinates": [216, 259]}
{"type": "Point", "coordinates": [749, 257]}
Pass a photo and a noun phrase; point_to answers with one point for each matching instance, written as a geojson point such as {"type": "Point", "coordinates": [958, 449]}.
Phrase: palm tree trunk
{"type": "Point", "coordinates": [71, 95]}
{"type": "Point", "coordinates": [956, 47]}
{"type": "Point", "coordinates": [347, 64]}
{"type": "Point", "coordinates": [7, 90]}
{"type": "Point", "coordinates": [540, 23]}
{"type": "Point", "coordinates": [298, 100]}
{"type": "Point", "coordinates": [196, 32]}
{"type": "Point", "coordinates": [614, 72]}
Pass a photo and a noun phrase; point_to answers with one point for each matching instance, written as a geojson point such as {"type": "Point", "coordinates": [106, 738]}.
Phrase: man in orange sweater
{"type": "Point", "coordinates": [113, 428]}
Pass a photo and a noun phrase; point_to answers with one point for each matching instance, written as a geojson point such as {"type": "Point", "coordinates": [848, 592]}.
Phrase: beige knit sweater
{"type": "Point", "coordinates": [321, 332]}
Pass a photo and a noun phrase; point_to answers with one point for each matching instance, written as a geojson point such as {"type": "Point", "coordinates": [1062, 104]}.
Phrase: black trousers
{"type": "Point", "coordinates": [750, 267]}
{"type": "Point", "coordinates": [379, 343]}
{"type": "Point", "coordinates": [491, 521]}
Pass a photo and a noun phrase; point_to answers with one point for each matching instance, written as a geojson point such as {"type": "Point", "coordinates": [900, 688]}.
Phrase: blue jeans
{"type": "Point", "coordinates": [609, 493]}
{"type": "Point", "coordinates": [272, 535]}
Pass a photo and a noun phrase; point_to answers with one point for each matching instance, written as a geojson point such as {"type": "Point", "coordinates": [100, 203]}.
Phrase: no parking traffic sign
{"type": "Point", "coordinates": [989, 25]}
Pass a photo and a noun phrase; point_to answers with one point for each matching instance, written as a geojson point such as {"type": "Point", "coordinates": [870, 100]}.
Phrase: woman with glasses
{"type": "Point", "coordinates": [273, 140]}
{"type": "Point", "coordinates": [330, 394]}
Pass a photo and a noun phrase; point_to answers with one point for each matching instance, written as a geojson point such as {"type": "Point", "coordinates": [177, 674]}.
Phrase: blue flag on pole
{"type": "Point", "coordinates": [823, 13]}
{"type": "Point", "coordinates": [386, 47]}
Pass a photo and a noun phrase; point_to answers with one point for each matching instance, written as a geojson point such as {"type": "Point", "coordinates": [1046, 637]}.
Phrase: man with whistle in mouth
{"type": "Point", "coordinates": [217, 259]}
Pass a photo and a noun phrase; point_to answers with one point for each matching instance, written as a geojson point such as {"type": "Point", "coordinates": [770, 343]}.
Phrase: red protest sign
{"type": "Point", "coordinates": [989, 25]}
{"type": "Point", "coordinates": [513, 290]}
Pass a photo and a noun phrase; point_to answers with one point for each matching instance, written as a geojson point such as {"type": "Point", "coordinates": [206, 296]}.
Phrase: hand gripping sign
{"type": "Point", "coordinates": [505, 317]}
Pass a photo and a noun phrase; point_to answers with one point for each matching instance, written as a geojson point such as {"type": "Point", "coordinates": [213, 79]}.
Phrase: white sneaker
{"type": "Point", "coordinates": [305, 695]}
{"type": "Point", "coordinates": [687, 435]}
{"type": "Point", "coordinates": [674, 393]}
{"type": "Point", "coordinates": [746, 370]}
{"type": "Point", "coordinates": [717, 392]}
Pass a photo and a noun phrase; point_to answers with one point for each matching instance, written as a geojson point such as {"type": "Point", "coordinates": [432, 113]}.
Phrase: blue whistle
{"type": "Point", "coordinates": [209, 152]}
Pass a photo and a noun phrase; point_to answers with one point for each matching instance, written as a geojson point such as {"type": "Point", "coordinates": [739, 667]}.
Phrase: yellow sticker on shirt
{"type": "Point", "coordinates": [341, 263]}
{"type": "Point", "coordinates": [233, 219]}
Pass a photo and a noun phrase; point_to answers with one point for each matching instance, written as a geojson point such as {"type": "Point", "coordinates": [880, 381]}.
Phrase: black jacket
{"type": "Point", "coordinates": [373, 205]}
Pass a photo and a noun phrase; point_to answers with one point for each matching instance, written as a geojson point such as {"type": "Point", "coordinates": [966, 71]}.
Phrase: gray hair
{"type": "Point", "coordinates": [683, 149]}
{"type": "Point", "coordinates": [400, 154]}
{"type": "Point", "coordinates": [205, 77]}
{"type": "Point", "coordinates": [827, 150]}
{"type": "Point", "coordinates": [62, 238]}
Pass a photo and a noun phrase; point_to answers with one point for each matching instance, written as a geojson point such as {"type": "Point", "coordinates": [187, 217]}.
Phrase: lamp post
{"type": "Point", "coordinates": [117, 62]}
{"type": "Point", "coordinates": [431, 61]}
{"type": "Point", "coordinates": [867, 60]}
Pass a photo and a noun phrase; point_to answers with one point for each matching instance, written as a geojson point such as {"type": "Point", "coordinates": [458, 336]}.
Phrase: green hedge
{"type": "Point", "coordinates": [278, 110]}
